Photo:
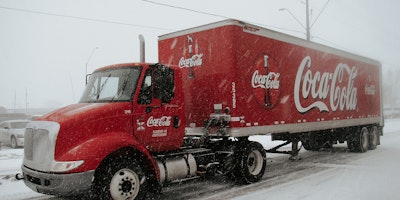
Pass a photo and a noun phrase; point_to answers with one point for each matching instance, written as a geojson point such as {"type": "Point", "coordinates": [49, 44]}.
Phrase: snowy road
{"type": "Point", "coordinates": [327, 174]}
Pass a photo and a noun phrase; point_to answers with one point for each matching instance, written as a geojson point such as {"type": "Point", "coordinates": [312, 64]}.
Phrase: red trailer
{"type": "Point", "coordinates": [140, 126]}
{"type": "Point", "coordinates": [271, 82]}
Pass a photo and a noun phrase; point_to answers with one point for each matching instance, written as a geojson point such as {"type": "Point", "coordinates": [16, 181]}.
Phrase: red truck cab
{"type": "Point", "coordinates": [66, 146]}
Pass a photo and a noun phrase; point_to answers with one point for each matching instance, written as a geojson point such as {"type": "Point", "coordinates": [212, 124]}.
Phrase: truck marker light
{"type": "Point", "coordinates": [65, 166]}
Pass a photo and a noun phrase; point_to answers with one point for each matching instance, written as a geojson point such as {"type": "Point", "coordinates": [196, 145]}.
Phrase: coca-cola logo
{"type": "Point", "coordinates": [265, 80]}
{"type": "Point", "coordinates": [192, 56]}
{"type": "Point", "coordinates": [337, 87]}
{"type": "Point", "coordinates": [194, 61]}
{"type": "Point", "coordinates": [162, 121]}
{"type": "Point", "coordinates": [268, 81]}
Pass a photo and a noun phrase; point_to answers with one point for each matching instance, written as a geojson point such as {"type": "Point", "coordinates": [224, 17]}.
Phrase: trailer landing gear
{"type": "Point", "coordinates": [294, 153]}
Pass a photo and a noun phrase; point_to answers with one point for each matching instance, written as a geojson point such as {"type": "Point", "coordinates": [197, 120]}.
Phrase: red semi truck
{"type": "Point", "coordinates": [140, 126]}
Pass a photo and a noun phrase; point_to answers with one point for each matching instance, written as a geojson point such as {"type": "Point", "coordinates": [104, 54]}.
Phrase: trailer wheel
{"type": "Point", "coordinates": [251, 163]}
{"type": "Point", "coordinates": [373, 138]}
{"type": "Point", "coordinates": [120, 179]}
{"type": "Point", "coordinates": [359, 141]}
{"type": "Point", "coordinates": [310, 145]}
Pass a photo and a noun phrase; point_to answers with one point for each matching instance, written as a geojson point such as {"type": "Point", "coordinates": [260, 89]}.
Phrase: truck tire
{"type": "Point", "coordinates": [359, 142]}
{"type": "Point", "coordinates": [310, 145]}
{"type": "Point", "coordinates": [373, 138]}
{"type": "Point", "coordinates": [315, 141]}
{"type": "Point", "coordinates": [251, 163]}
{"type": "Point", "coordinates": [120, 179]}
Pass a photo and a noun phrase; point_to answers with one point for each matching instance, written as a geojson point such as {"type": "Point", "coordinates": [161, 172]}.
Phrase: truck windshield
{"type": "Point", "coordinates": [111, 85]}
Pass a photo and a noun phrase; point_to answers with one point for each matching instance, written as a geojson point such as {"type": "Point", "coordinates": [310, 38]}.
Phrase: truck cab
{"type": "Point", "coordinates": [155, 99]}
{"type": "Point", "coordinates": [133, 107]}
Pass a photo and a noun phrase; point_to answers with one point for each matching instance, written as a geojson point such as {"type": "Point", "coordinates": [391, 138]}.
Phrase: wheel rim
{"type": "Point", "coordinates": [125, 184]}
{"type": "Point", "coordinates": [255, 162]}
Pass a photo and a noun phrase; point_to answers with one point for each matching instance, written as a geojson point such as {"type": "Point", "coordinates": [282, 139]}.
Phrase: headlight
{"type": "Point", "coordinates": [65, 166]}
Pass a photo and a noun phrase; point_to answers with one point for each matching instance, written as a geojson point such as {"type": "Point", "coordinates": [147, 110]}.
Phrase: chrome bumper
{"type": "Point", "coordinates": [58, 184]}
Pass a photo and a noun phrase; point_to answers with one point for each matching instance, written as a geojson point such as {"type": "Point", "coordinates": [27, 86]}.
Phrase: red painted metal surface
{"type": "Point", "coordinates": [268, 78]}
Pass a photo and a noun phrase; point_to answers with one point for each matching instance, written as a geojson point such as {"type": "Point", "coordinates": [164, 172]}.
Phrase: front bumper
{"type": "Point", "coordinates": [58, 184]}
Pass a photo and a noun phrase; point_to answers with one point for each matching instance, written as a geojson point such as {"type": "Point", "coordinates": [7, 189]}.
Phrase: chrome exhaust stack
{"type": "Point", "coordinates": [142, 48]}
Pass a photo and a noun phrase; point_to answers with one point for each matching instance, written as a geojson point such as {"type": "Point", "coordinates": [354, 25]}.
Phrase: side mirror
{"type": "Point", "coordinates": [155, 103]}
{"type": "Point", "coordinates": [88, 77]}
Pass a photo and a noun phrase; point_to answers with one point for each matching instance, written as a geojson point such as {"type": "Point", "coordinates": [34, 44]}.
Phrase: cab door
{"type": "Point", "coordinates": [158, 113]}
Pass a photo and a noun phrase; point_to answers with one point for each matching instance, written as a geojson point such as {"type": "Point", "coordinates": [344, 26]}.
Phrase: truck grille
{"type": "Point", "coordinates": [28, 144]}
{"type": "Point", "coordinates": [36, 144]}
{"type": "Point", "coordinates": [40, 140]}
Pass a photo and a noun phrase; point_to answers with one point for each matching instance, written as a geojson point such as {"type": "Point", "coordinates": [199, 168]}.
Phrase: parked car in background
{"type": "Point", "coordinates": [12, 132]}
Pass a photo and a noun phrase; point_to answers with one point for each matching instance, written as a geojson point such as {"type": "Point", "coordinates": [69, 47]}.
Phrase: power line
{"type": "Point", "coordinates": [332, 43]}
{"type": "Point", "coordinates": [136, 25]}
{"type": "Point", "coordinates": [83, 18]}
{"type": "Point", "coordinates": [159, 28]}
{"type": "Point", "coordinates": [187, 9]}
{"type": "Point", "coordinates": [215, 15]}
{"type": "Point", "coordinates": [319, 14]}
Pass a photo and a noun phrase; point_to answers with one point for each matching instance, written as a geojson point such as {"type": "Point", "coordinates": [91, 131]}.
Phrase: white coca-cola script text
{"type": "Point", "coordinates": [162, 121]}
{"type": "Point", "coordinates": [337, 86]}
{"type": "Point", "coordinates": [269, 81]}
{"type": "Point", "coordinates": [194, 61]}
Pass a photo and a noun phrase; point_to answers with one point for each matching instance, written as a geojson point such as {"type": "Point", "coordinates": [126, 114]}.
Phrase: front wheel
{"type": "Point", "coordinates": [120, 179]}
{"type": "Point", "coordinates": [251, 162]}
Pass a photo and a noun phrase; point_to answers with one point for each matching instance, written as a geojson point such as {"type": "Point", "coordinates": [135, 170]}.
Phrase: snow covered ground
{"type": "Point", "coordinates": [319, 175]}
{"type": "Point", "coordinates": [372, 175]}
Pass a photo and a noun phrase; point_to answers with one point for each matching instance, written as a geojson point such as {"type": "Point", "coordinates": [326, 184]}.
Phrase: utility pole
{"type": "Point", "coordinates": [15, 101]}
{"type": "Point", "coordinates": [307, 22]}
{"type": "Point", "coordinates": [307, 27]}
{"type": "Point", "coordinates": [26, 100]}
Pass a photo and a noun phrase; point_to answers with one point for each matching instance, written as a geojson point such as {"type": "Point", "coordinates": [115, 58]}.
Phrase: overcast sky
{"type": "Point", "coordinates": [45, 45]}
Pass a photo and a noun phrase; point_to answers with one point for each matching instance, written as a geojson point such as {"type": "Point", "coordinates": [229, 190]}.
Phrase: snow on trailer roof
{"type": "Point", "coordinates": [261, 31]}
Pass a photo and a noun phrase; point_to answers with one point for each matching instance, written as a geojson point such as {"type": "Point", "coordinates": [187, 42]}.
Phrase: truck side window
{"type": "Point", "coordinates": [146, 91]}
{"type": "Point", "coordinates": [164, 84]}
